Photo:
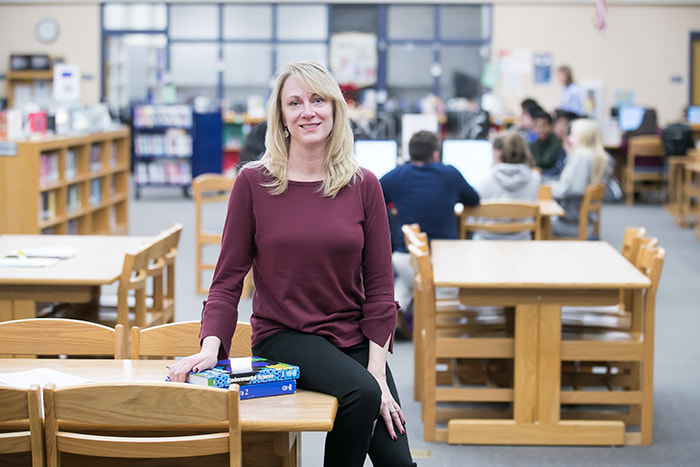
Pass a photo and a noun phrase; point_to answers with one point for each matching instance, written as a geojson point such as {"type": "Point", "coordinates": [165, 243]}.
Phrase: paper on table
{"type": "Point", "coordinates": [44, 252]}
{"type": "Point", "coordinates": [24, 262]}
{"type": "Point", "coordinates": [40, 376]}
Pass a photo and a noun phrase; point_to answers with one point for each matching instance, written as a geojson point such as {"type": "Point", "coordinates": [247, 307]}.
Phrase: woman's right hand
{"type": "Point", "coordinates": [203, 360]}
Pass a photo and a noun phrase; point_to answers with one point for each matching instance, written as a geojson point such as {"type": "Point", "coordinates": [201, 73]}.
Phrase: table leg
{"type": "Point", "coordinates": [526, 356]}
{"type": "Point", "coordinates": [549, 374]}
{"type": "Point", "coordinates": [546, 226]}
{"type": "Point", "coordinates": [271, 449]}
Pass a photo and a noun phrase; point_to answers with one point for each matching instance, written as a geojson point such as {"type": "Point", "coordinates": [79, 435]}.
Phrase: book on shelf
{"type": "Point", "coordinates": [248, 371]}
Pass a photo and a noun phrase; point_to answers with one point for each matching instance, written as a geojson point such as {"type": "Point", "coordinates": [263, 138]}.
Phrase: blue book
{"type": "Point", "coordinates": [260, 370]}
{"type": "Point", "coordinates": [275, 388]}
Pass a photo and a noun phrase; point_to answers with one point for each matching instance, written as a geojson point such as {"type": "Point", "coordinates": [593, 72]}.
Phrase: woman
{"type": "Point", "coordinates": [513, 177]}
{"type": "Point", "coordinates": [313, 226]}
{"type": "Point", "coordinates": [586, 165]}
{"type": "Point", "coordinates": [570, 96]}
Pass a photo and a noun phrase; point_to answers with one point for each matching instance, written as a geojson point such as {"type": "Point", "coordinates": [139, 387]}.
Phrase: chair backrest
{"type": "Point", "coordinates": [79, 420]}
{"type": "Point", "coordinates": [504, 217]}
{"type": "Point", "coordinates": [181, 339]}
{"type": "Point", "coordinates": [632, 234]}
{"type": "Point", "coordinates": [413, 236]}
{"type": "Point", "coordinates": [590, 209]}
{"type": "Point", "coordinates": [207, 189]}
{"type": "Point", "coordinates": [134, 276]}
{"type": "Point", "coordinates": [423, 286]}
{"type": "Point", "coordinates": [58, 336]}
{"type": "Point", "coordinates": [170, 242]}
{"type": "Point", "coordinates": [648, 147]}
{"type": "Point", "coordinates": [21, 428]}
{"type": "Point", "coordinates": [161, 270]}
{"type": "Point", "coordinates": [651, 261]}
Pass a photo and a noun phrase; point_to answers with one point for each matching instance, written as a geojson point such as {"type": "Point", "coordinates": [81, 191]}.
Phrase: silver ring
{"type": "Point", "coordinates": [393, 411]}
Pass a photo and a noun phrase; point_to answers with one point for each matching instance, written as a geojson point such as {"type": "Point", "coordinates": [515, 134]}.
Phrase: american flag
{"type": "Point", "coordinates": [601, 15]}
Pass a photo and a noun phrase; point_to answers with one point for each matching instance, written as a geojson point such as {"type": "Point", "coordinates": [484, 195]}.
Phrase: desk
{"type": "Point", "coordinates": [270, 426]}
{"type": "Point", "coordinates": [537, 278]}
{"type": "Point", "coordinates": [98, 261]}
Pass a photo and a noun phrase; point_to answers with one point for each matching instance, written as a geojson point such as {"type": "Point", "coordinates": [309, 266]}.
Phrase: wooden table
{"type": "Point", "coordinates": [98, 261]}
{"type": "Point", "coordinates": [537, 278]}
{"type": "Point", "coordinates": [271, 425]}
{"type": "Point", "coordinates": [548, 208]}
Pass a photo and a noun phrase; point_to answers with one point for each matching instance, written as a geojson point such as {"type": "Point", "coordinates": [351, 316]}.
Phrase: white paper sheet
{"type": "Point", "coordinates": [24, 262]}
{"type": "Point", "coordinates": [41, 376]}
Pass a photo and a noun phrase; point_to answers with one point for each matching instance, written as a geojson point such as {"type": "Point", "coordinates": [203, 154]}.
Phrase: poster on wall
{"type": "Point", "coordinates": [66, 82]}
{"type": "Point", "coordinates": [592, 98]}
{"type": "Point", "coordinates": [353, 58]}
{"type": "Point", "coordinates": [543, 68]}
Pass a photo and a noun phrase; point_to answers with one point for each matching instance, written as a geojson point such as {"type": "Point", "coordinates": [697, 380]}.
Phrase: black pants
{"type": "Point", "coordinates": [343, 374]}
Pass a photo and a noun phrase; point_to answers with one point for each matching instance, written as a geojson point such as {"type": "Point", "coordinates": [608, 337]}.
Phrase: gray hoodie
{"type": "Point", "coordinates": [508, 181]}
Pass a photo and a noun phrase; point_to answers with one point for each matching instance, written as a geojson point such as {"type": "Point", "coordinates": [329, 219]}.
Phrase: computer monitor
{"type": "Point", "coordinates": [630, 117]}
{"type": "Point", "coordinates": [473, 158]}
{"type": "Point", "coordinates": [379, 157]}
{"type": "Point", "coordinates": [694, 115]}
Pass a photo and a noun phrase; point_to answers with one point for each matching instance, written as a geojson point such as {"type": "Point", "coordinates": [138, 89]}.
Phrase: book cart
{"type": "Point", "coordinates": [66, 185]}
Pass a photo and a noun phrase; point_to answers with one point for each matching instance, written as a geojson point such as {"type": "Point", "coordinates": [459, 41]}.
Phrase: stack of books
{"type": "Point", "coordinates": [256, 376]}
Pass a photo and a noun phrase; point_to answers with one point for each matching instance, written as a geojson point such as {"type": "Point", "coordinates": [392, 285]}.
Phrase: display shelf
{"type": "Point", "coordinates": [20, 77]}
{"type": "Point", "coordinates": [60, 203]}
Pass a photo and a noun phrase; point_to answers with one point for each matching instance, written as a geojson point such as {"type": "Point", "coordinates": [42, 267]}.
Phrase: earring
{"type": "Point", "coordinates": [286, 132]}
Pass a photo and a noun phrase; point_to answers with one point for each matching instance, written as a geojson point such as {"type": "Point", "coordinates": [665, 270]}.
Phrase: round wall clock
{"type": "Point", "coordinates": [46, 30]}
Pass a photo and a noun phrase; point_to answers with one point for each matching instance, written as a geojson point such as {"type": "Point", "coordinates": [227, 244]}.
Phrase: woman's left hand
{"type": "Point", "coordinates": [390, 411]}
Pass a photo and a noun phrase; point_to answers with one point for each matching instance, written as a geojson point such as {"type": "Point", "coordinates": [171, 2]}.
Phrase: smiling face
{"type": "Point", "coordinates": [307, 116]}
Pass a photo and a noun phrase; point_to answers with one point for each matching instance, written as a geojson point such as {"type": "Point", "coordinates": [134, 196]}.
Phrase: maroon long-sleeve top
{"type": "Point", "coordinates": [320, 265]}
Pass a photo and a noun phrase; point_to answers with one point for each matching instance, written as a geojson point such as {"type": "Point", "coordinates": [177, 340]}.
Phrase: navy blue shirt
{"type": "Point", "coordinates": [426, 195]}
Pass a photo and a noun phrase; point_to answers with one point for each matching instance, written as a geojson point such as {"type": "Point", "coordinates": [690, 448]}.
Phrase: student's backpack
{"type": "Point", "coordinates": [677, 139]}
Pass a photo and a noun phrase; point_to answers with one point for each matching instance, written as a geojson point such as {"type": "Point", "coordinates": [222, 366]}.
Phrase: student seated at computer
{"type": "Point", "coordinates": [423, 191]}
{"type": "Point", "coordinates": [547, 148]}
{"type": "Point", "coordinates": [513, 177]}
{"type": "Point", "coordinates": [586, 165]}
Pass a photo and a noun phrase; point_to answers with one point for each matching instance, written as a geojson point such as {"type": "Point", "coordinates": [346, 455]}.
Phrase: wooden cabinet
{"type": "Point", "coordinates": [24, 77]}
{"type": "Point", "coordinates": [76, 185]}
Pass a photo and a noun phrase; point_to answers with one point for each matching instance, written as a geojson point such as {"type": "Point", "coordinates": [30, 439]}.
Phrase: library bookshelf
{"type": "Point", "coordinates": [67, 185]}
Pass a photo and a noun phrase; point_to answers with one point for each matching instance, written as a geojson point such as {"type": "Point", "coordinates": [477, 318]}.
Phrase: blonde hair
{"type": "Point", "coordinates": [588, 136]}
{"type": "Point", "coordinates": [340, 163]}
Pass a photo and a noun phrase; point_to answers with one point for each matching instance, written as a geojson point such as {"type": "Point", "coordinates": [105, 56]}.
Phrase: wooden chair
{"type": "Point", "coordinates": [83, 419]}
{"type": "Point", "coordinates": [591, 206]}
{"type": "Point", "coordinates": [56, 336]}
{"type": "Point", "coordinates": [181, 339]}
{"type": "Point", "coordinates": [21, 430]}
{"type": "Point", "coordinates": [645, 164]}
{"type": "Point", "coordinates": [209, 189]}
{"type": "Point", "coordinates": [451, 314]}
{"type": "Point", "coordinates": [502, 217]}
{"type": "Point", "coordinates": [615, 317]}
{"type": "Point", "coordinates": [635, 346]}
{"type": "Point", "coordinates": [146, 291]}
{"type": "Point", "coordinates": [451, 342]}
